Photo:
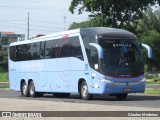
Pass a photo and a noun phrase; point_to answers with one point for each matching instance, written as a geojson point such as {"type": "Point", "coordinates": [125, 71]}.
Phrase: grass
{"type": "Point", "coordinates": [4, 77]}
{"type": "Point", "coordinates": [152, 91]}
{"type": "Point", "coordinates": [153, 81]}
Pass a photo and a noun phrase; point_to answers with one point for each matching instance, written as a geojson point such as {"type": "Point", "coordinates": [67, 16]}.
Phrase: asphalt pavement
{"type": "Point", "coordinates": [138, 100]}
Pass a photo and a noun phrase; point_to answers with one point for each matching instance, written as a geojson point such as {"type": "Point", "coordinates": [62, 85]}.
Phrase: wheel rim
{"type": "Point", "coordinates": [24, 89]}
{"type": "Point", "coordinates": [84, 90]}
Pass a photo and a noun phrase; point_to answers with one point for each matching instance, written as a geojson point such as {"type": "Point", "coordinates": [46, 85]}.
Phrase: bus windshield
{"type": "Point", "coordinates": [121, 57]}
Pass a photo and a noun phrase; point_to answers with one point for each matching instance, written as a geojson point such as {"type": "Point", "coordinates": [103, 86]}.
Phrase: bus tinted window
{"type": "Point", "coordinates": [66, 47]}
{"type": "Point", "coordinates": [60, 48]}
{"type": "Point", "coordinates": [50, 49]}
{"type": "Point", "coordinates": [35, 48]}
{"type": "Point", "coordinates": [70, 47]}
{"type": "Point", "coordinates": [12, 53]}
{"type": "Point", "coordinates": [25, 53]}
{"type": "Point", "coordinates": [63, 48]}
{"type": "Point", "coordinates": [75, 48]}
{"type": "Point", "coordinates": [42, 50]}
{"type": "Point", "coordinates": [91, 51]}
{"type": "Point", "coordinates": [18, 53]}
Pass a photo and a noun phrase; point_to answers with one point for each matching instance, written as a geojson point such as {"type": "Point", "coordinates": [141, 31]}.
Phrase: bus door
{"type": "Point", "coordinates": [95, 54]}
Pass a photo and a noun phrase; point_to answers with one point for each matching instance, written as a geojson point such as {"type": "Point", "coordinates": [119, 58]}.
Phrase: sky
{"type": "Point", "coordinates": [45, 16]}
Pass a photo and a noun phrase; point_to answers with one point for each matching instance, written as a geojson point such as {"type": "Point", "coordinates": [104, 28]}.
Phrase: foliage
{"type": "Point", "coordinates": [3, 55]}
{"type": "Point", "coordinates": [3, 61]}
{"type": "Point", "coordinates": [148, 30]}
{"type": "Point", "coordinates": [145, 68]}
{"type": "Point", "coordinates": [150, 21]}
{"type": "Point", "coordinates": [153, 40]}
{"type": "Point", "coordinates": [94, 22]}
{"type": "Point", "coordinates": [84, 24]}
{"type": "Point", "coordinates": [113, 13]}
{"type": "Point", "coordinates": [4, 77]}
{"type": "Point", "coordinates": [152, 91]}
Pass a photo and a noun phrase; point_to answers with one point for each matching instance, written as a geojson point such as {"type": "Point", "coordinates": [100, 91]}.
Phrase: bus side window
{"type": "Point", "coordinates": [92, 53]}
{"type": "Point", "coordinates": [42, 50]}
{"type": "Point", "coordinates": [93, 57]}
{"type": "Point", "coordinates": [25, 53]}
{"type": "Point", "coordinates": [75, 48]}
{"type": "Point", "coordinates": [63, 48]}
{"type": "Point", "coordinates": [35, 51]}
{"type": "Point", "coordinates": [50, 49]}
{"type": "Point", "coordinates": [69, 47]}
{"type": "Point", "coordinates": [12, 53]}
{"type": "Point", "coordinates": [18, 53]}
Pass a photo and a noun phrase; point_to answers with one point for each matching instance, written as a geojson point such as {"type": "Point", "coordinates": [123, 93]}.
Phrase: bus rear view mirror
{"type": "Point", "coordinates": [148, 49]}
{"type": "Point", "coordinates": [99, 49]}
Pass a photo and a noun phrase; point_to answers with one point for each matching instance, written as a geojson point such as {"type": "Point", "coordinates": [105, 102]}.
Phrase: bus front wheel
{"type": "Point", "coordinates": [84, 91]}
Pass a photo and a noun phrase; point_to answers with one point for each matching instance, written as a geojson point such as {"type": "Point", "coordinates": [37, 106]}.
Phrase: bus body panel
{"type": "Point", "coordinates": [117, 85]}
{"type": "Point", "coordinates": [51, 75]}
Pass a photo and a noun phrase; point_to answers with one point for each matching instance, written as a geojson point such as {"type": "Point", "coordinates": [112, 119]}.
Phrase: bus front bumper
{"type": "Point", "coordinates": [114, 87]}
{"type": "Point", "coordinates": [126, 87]}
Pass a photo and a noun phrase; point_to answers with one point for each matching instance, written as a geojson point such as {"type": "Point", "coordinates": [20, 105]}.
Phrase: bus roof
{"type": "Point", "coordinates": [48, 37]}
{"type": "Point", "coordinates": [106, 32]}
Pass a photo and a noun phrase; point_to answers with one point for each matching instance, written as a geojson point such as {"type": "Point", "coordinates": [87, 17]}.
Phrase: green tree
{"type": "Point", "coordinates": [95, 22]}
{"type": "Point", "coordinates": [113, 13]}
{"type": "Point", "coordinates": [150, 21]}
{"type": "Point", "coordinates": [89, 23]}
{"type": "Point", "coordinates": [148, 30]}
{"type": "Point", "coordinates": [153, 40]}
{"type": "Point", "coordinates": [3, 61]}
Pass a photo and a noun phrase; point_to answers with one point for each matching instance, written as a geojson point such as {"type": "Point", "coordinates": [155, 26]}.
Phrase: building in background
{"type": "Point", "coordinates": [6, 38]}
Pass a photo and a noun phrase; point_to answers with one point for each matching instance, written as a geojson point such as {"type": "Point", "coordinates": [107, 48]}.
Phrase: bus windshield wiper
{"type": "Point", "coordinates": [120, 62]}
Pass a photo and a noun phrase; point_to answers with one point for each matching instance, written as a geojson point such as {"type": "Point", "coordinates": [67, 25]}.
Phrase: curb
{"type": "Point", "coordinates": [154, 86]}
{"type": "Point", "coordinates": [4, 84]}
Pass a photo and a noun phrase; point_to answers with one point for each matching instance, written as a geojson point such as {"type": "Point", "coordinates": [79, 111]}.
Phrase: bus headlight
{"type": "Point", "coordinates": [143, 80]}
{"type": "Point", "coordinates": [106, 81]}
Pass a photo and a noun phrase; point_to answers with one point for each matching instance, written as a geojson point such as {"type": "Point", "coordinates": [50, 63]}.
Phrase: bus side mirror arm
{"type": "Point", "coordinates": [99, 49]}
{"type": "Point", "coordinates": [148, 49]}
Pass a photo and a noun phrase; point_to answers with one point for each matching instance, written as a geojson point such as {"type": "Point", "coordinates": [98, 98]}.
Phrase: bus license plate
{"type": "Point", "coordinates": [127, 89]}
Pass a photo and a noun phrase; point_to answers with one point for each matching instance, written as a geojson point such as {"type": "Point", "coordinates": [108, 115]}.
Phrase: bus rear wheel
{"type": "Point", "coordinates": [24, 91]}
{"type": "Point", "coordinates": [32, 91]}
{"type": "Point", "coordinates": [84, 91]}
{"type": "Point", "coordinates": [121, 96]}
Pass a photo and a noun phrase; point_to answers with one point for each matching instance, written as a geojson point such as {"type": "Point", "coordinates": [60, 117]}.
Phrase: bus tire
{"type": "Point", "coordinates": [122, 96]}
{"type": "Point", "coordinates": [84, 92]}
{"type": "Point", "coordinates": [32, 91]}
{"type": "Point", "coordinates": [24, 90]}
